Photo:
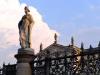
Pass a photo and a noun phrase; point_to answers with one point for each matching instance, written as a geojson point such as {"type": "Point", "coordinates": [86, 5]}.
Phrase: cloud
{"type": "Point", "coordinates": [94, 7]}
{"type": "Point", "coordinates": [11, 12]}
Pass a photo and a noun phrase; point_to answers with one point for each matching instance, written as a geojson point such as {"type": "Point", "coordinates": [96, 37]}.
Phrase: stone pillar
{"type": "Point", "coordinates": [24, 57]}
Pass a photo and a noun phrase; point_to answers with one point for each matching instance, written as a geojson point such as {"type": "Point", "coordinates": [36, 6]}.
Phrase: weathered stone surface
{"type": "Point", "coordinates": [25, 27]}
{"type": "Point", "coordinates": [23, 69]}
{"type": "Point", "coordinates": [24, 57]}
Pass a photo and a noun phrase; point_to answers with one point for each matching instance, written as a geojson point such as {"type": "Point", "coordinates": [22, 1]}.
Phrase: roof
{"type": "Point", "coordinates": [57, 50]}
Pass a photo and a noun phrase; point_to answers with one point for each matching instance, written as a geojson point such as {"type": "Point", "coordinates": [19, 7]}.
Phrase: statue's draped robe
{"type": "Point", "coordinates": [25, 28]}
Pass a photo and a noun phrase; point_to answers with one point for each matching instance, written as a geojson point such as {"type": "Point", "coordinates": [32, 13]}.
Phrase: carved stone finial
{"type": "Point", "coordinates": [91, 47]}
{"type": "Point", "coordinates": [3, 64]}
{"type": "Point", "coordinates": [99, 44]}
{"type": "Point", "coordinates": [72, 41]}
{"type": "Point", "coordinates": [55, 37]}
{"type": "Point", "coordinates": [82, 46]}
{"type": "Point", "coordinates": [9, 63]}
{"type": "Point", "coordinates": [41, 47]}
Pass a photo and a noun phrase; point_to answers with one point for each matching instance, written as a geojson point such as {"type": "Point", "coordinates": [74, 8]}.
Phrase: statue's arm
{"type": "Point", "coordinates": [31, 19]}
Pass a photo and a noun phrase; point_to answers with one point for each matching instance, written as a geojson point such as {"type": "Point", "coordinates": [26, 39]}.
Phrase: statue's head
{"type": "Point", "coordinates": [26, 10]}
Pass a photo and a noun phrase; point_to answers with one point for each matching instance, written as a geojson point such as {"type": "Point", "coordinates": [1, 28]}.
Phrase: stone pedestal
{"type": "Point", "coordinates": [24, 57]}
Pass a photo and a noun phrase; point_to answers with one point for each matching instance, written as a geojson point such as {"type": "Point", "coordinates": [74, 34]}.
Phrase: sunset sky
{"type": "Point", "coordinates": [67, 18]}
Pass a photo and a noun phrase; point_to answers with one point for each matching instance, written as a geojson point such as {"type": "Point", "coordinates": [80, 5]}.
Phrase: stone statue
{"type": "Point", "coordinates": [25, 27]}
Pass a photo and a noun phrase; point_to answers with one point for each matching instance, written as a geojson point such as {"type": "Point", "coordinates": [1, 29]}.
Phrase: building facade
{"type": "Point", "coordinates": [58, 59]}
